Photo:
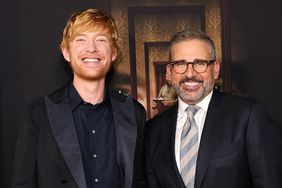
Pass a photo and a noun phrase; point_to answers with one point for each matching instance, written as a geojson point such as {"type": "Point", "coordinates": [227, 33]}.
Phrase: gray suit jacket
{"type": "Point", "coordinates": [48, 153]}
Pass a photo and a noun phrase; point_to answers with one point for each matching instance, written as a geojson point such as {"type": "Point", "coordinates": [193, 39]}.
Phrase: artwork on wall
{"type": "Point", "coordinates": [145, 29]}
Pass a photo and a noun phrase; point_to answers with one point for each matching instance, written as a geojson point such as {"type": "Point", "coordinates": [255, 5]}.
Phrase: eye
{"type": "Point", "coordinates": [79, 39]}
{"type": "Point", "coordinates": [102, 39]}
{"type": "Point", "coordinates": [200, 63]}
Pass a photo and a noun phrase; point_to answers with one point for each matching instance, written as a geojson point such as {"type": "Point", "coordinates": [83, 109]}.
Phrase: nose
{"type": "Point", "coordinates": [190, 72]}
{"type": "Point", "coordinates": [91, 47]}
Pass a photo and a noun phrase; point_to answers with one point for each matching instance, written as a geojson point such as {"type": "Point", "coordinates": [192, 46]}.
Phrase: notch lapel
{"type": "Point", "coordinates": [210, 137]}
{"type": "Point", "coordinates": [63, 127]}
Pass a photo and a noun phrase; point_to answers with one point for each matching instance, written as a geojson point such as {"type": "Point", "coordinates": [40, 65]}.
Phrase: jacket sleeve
{"type": "Point", "coordinates": [139, 180]}
{"type": "Point", "coordinates": [264, 149]}
{"type": "Point", "coordinates": [25, 168]}
{"type": "Point", "coordinates": [152, 181]}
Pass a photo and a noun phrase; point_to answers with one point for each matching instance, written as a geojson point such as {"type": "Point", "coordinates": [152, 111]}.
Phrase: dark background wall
{"type": "Point", "coordinates": [31, 65]}
{"type": "Point", "coordinates": [30, 62]}
{"type": "Point", "coordinates": [256, 51]}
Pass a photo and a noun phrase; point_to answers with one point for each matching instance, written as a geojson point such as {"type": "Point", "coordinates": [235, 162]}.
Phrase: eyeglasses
{"type": "Point", "coordinates": [198, 65]}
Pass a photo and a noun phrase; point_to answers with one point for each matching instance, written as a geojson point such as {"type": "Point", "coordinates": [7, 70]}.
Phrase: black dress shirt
{"type": "Point", "coordinates": [96, 133]}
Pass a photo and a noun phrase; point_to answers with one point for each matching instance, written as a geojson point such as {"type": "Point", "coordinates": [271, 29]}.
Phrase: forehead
{"type": "Point", "coordinates": [93, 29]}
{"type": "Point", "coordinates": [92, 34]}
{"type": "Point", "coordinates": [190, 50]}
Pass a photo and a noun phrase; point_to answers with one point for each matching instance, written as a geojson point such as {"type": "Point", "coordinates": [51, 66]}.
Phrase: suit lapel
{"type": "Point", "coordinates": [62, 125]}
{"type": "Point", "coordinates": [165, 151]}
{"type": "Point", "coordinates": [171, 133]}
{"type": "Point", "coordinates": [126, 134]}
{"type": "Point", "coordinates": [210, 137]}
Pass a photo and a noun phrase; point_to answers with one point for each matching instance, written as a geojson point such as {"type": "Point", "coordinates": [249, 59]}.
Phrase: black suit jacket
{"type": "Point", "coordinates": [239, 147]}
{"type": "Point", "coordinates": [48, 153]}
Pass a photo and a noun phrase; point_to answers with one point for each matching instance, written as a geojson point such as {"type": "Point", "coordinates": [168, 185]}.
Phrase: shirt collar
{"type": "Point", "coordinates": [76, 100]}
{"type": "Point", "coordinates": [204, 104]}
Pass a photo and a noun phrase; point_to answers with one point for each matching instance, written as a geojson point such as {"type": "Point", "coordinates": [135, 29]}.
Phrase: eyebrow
{"type": "Point", "coordinates": [79, 35]}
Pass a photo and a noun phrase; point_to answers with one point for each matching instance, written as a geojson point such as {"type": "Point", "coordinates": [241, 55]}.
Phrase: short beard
{"type": "Point", "coordinates": [190, 98]}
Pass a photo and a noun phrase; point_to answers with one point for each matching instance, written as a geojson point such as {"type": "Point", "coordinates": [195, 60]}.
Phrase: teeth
{"type": "Point", "coordinates": [190, 83]}
{"type": "Point", "coordinates": [90, 59]}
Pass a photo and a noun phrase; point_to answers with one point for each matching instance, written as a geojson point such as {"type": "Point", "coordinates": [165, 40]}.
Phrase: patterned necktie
{"type": "Point", "coordinates": [189, 147]}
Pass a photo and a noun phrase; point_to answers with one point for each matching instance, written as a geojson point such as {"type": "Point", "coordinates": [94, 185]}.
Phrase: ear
{"type": "Point", "coordinates": [66, 54]}
{"type": "Point", "coordinates": [216, 69]}
{"type": "Point", "coordinates": [168, 73]}
{"type": "Point", "coordinates": [114, 54]}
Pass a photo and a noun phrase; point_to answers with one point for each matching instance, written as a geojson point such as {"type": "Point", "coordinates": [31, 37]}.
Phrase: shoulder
{"type": "Point", "coordinates": [167, 114]}
{"type": "Point", "coordinates": [163, 120]}
{"type": "Point", "coordinates": [138, 106]}
{"type": "Point", "coordinates": [118, 96]}
{"type": "Point", "coordinates": [56, 96]}
{"type": "Point", "coordinates": [36, 106]}
{"type": "Point", "coordinates": [233, 100]}
{"type": "Point", "coordinates": [59, 94]}
{"type": "Point", "coordinates": [239, 105]}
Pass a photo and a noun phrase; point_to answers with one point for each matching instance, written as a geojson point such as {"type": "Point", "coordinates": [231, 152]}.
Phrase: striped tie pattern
{"type": "Point", "coordinates": [189, 147]}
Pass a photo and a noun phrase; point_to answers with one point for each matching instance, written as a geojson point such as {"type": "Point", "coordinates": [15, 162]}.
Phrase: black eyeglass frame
{"type": "Point", "coordinates": [196, 61]}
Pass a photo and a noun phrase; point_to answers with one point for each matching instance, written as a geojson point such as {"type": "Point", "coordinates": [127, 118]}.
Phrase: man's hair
{"type": "Point", "coordinates": [193, 35]}
{"type": "Point", "coordinates": [89, 20]}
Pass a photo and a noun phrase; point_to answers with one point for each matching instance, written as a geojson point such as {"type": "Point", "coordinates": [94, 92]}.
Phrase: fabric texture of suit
{"type": "Point", "coordinates": [48, 153]}
{"type": "Point", "coordinates": [240, 147]}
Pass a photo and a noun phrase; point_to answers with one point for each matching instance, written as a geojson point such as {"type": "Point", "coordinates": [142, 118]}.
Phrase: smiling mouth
{"type": "Point", "coordinates": [190, 84]}
{"type": "Point", "coordinates": [91, 60]}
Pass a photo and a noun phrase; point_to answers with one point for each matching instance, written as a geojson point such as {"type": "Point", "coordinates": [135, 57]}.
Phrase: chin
{"type": "Point", "coordinates": [92, 77]}
{"type": "Point", "coordinates": [191, 98]}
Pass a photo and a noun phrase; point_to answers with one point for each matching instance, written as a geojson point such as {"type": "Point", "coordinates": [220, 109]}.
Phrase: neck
{"type": "Point", "coordinates": [90, 91]}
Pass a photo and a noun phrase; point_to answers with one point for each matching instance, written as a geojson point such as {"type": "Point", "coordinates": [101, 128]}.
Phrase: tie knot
{"type": "Point", "coordinates": [193, 108]}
